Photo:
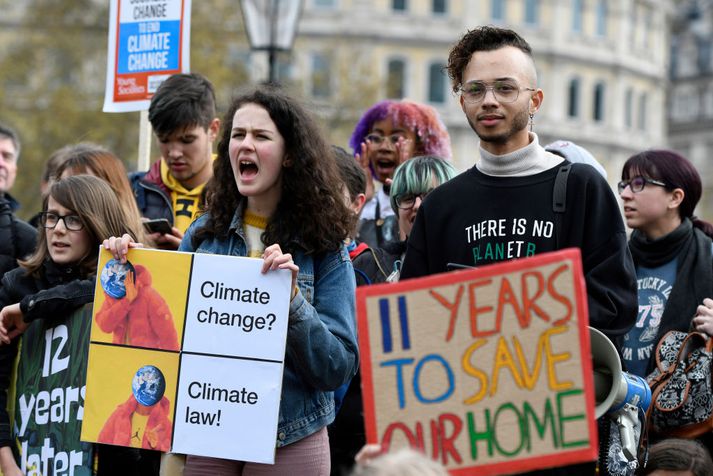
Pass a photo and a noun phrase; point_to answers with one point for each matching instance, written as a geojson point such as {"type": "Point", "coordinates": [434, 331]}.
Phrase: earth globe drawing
{"type": "Point", "coordinates": [148, 385]}
{"type": "Point", "coordinates": [113, 276]}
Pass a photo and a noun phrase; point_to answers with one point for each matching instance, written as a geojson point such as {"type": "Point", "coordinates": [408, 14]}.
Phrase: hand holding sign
{"type": "Point", "coordinates": [119, 246]}
{"type": "Point", "coordinates": [275, 259]}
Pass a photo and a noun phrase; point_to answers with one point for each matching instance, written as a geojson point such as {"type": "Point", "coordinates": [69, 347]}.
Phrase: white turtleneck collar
{"type": "Point", "coordinates": [530, 160]}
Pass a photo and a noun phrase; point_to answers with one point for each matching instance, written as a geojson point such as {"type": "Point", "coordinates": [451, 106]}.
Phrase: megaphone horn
{"type": "Point", "coordinates": [612, 387]}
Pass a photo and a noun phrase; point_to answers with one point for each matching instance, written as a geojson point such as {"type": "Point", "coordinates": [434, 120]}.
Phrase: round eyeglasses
{"type": "Point", "coordinates": [50, 220]}
{"type": "Point", "coordinates": [638, 183]}
{"type": "Point", "coordinates": [503, 91]}
{"type": "Point", "coordinates": [377, 139]}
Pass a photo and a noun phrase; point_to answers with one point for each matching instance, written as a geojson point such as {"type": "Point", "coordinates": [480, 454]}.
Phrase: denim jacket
{"type": "Point", "coordinates": [321, 352]}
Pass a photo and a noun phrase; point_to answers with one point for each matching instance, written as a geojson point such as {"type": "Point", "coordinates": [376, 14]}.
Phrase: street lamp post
{"type": "Point", "coordinates": [271, 26]}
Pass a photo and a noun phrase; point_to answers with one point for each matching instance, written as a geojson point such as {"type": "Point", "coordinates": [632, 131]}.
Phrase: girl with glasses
{"type": "Point", "coordinates": [388, 134]}
{"type": "Point", "coordinates": [57, 279]}
{"type": "Point", "coordinates": [93, 159]}
{"type": "Point", "coordinates": [671, 249]}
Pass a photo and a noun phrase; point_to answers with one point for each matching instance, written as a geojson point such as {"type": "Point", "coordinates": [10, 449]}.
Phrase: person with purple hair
{"type": "Point", "coordinates": [671, 248]}
{"type": "Point", "coordinates": [389, 133]}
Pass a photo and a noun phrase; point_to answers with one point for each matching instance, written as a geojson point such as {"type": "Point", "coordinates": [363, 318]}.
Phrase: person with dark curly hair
{"type": "Point", "coordinates": [276, 195]}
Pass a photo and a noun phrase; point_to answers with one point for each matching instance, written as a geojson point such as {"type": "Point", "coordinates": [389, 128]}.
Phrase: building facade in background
{"type": "Point", "coordinates": [602, 63]}
{"type": "Point", "coordinates": [690, 98]}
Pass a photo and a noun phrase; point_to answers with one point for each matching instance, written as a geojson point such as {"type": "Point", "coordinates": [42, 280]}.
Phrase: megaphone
{"type": "Point", "coordinates": [617, 393]}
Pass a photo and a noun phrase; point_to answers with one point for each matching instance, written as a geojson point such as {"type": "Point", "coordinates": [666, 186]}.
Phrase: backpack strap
{"type": "Point", "coordinates": [559, 194]}
{"type": "Point", "coordinates": [559, 199]}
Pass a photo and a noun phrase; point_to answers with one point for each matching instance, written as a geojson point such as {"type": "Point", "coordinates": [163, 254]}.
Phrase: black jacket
{"type": "Point", "coordinates": [374, 265]}
{"type": "Point", "coordinates": [17, 238]}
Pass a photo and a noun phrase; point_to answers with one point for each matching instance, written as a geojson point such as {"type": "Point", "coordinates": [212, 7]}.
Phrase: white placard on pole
{"type": "Point", "coordinates": [148, 41]}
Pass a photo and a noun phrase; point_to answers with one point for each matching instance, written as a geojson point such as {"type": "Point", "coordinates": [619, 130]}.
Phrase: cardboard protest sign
{"type": "Point", "coordinates": [487, 368]}
{"type": "Point", "coordinates": [50, 396]}
{"type": "Point", "coordinates": [187, 354]}
{"type": "Point", "coordinates": [148, 41]}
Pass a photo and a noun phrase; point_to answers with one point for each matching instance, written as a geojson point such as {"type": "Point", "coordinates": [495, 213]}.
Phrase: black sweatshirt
{"type": "Point", "coordinates": [477, 219]}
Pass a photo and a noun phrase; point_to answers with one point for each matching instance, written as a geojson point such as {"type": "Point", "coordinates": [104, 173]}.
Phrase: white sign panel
{"type": "Point", "coordinates": [233, 310]}
{"type": "Point", "coordinates": [228, 408]}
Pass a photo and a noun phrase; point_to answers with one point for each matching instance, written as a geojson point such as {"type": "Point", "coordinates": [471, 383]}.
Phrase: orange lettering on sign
{"type": "Point", "coordinates": [533, 286]}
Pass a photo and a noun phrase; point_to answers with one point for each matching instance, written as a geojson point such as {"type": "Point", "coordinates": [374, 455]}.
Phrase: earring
{"type": "Point", "coordinates": [532, 120]}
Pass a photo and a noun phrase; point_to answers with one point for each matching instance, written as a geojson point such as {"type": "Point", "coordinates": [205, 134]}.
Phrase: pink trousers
{"type": "Point", "coordinates": [307, 457]}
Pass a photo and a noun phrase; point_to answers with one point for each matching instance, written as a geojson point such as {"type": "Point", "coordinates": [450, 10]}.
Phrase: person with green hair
{"type": "Point", "coordinates": [413, 180]}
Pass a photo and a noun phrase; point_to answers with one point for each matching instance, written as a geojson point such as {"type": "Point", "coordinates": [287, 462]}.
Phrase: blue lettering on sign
{"type": "Point", "coordinates": [385, 320]}
{"type": "Point", "coordinates": [143, 50]}
{"type": "Point", "coordinates": [403, 320]}
{"type": "Point", "coordinates": [401, 364]}
{"type": "Point", "coordinates": [385, 325]}
{"type": "Point", "coordinates": [417, 379]}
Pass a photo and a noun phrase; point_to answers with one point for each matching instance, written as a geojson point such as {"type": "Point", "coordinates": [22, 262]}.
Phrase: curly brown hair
{"type": "Point", "coordinates": [311, 210]}
{"type": "Point", "coordinates": [484, 38]}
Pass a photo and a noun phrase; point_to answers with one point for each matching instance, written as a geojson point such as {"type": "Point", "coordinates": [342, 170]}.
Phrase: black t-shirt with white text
{"type": "Point", "coordinates": [476, 219]}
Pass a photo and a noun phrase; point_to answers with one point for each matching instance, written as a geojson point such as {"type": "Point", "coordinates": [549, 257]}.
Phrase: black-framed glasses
{"type": "Point", "coordinates": [504, 91]}
{"type": "Point", "coordinates": [50, 220]}
{"type": "Point", "coordinates": [638, 183]}
{"type": "Point", "coordinates": [377, 139]}
{"type": "Point", "coordinates": [408, 200]}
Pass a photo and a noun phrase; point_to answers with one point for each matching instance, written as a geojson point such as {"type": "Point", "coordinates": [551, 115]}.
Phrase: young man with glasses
{"type": "Point", "coordinates": [511, 204]}
{"type": "Point", "coordinates": [509, 192]}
